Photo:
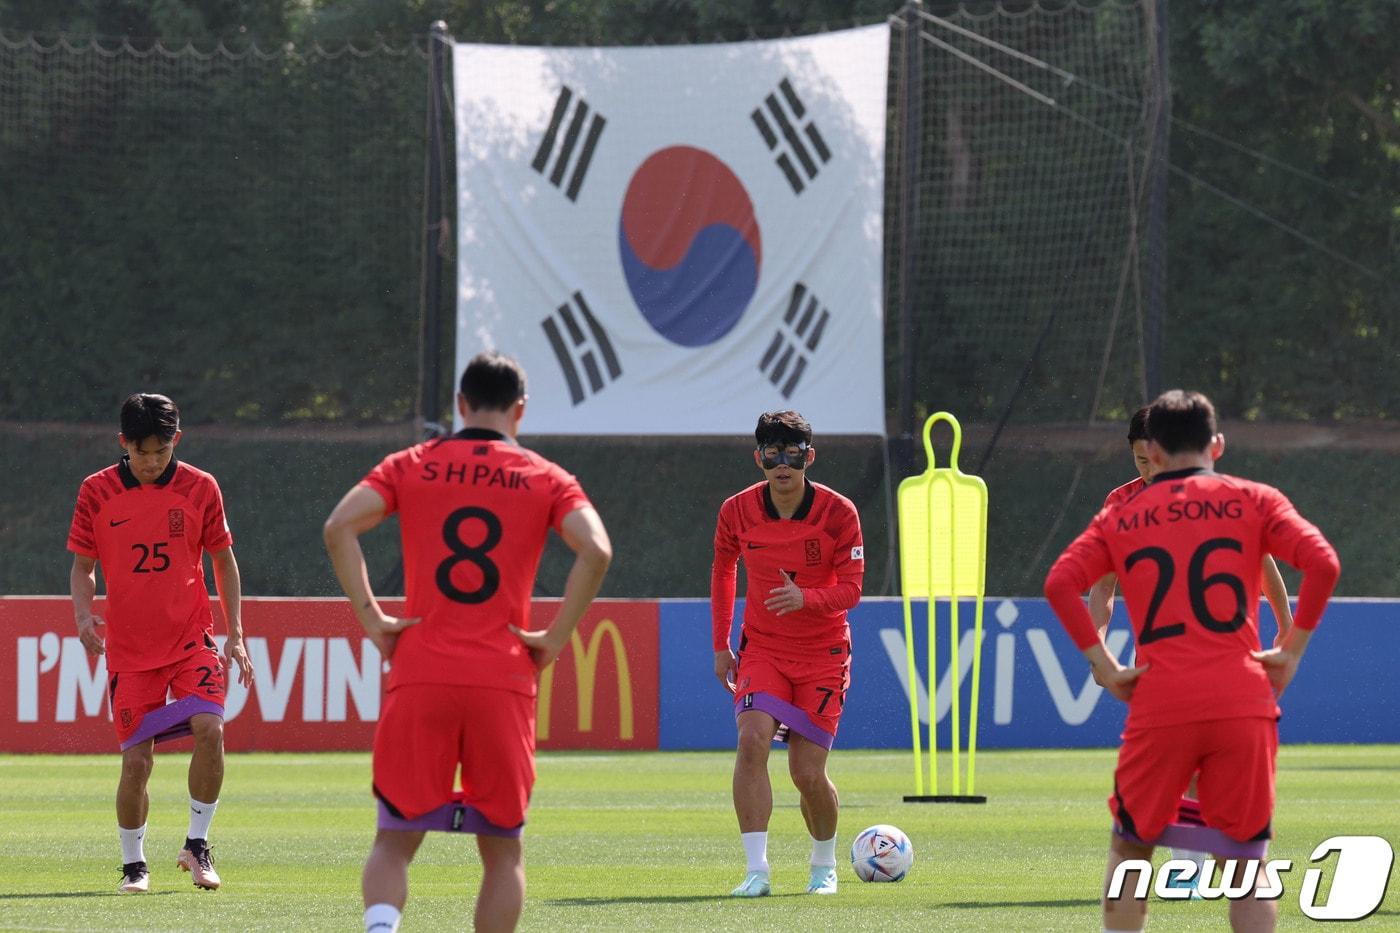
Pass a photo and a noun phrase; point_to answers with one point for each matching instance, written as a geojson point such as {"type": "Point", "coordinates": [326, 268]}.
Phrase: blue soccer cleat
{"type": "Point", "coordinates": [755, 885]}
{"type": "Point", "coordinates": [823, 880]}
{"type": "Point", "coordinates": [1180, 881]}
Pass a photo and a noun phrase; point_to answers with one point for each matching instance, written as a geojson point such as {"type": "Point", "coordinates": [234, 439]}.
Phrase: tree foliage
{"type": "Point", "coordinates": [1272, 326]}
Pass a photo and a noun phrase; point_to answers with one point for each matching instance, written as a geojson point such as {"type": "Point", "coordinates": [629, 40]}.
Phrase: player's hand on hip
{"type": "Point", "coordinates": [786, 598]}
{"type": "Point", "coordinates": [90, 634]}
{"type": "Point", "coordinates": [725, 668]}
{"type": "Point", "coordinates": [235, 653]}
{"type": "Point", "coordinates": [1120, 681]}
{"type": "Point", "coordinates": [1279, 665]}
{"type": "Point", "coordinates": [385, 632]}
{"type": "Point", "coordinates": [544, 645]}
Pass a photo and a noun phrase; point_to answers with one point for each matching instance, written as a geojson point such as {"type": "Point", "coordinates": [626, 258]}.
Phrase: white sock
{"type": "Point", "coordinates": [133, 844]}
{"type": "Point", "coordinates": [756, 850]}
{"type": "Point", "coordinates": [381, 918]}
{"type": "Point", "coordinates": [201, 815]}
{"type": "Point", "coordinates": [824, 851]}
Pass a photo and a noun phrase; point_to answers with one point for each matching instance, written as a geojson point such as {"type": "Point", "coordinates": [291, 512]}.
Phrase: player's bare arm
{"type": "Point", "coordinates": [1281, 663]}
{"type": "Point", "coordinates": [230, 586]}
{"type": "Point", "coordinates": [1101, 602]}
{"type": "Point", "coordinates": [1277, 594]}
{"type": "Point", "coordinates": [82, 584]}
{"type": "Point", "coordinates": [583, 531]}
{"type": "Point", "coordinates": [1115, 678]}
{"type": "Point", "coordinates": [360, 510]}
{"type": "Point", "coordinates": [1101, 608]}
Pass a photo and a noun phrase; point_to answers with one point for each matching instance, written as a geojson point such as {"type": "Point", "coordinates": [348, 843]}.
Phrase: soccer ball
{"type": "Point", "coordinates": [882, 853]}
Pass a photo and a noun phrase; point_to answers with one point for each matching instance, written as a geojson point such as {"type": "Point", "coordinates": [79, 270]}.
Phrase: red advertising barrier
{"type": "Point", "coordinates": [319, 680]}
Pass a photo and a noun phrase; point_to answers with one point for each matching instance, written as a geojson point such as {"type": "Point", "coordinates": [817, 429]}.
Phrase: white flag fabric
{"type": "Point", "coordinates": [673, 240]}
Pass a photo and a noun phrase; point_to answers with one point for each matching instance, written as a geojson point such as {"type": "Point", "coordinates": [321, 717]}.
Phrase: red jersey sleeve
{"type": "Point", "coordinates": [1086, 559]}
{"type": "Point", "coordinates": [1292, 538]}
{"type": "Point", "coordinates": [848, 562]}
{"type": "Point", "coordinates": [724, 577]}
{"type": "Point", "coordinates": [81, 539]}
{"type": "Point", "coordinates": [216, 534]}
{"type": "Point", "coordinates": [385, 478]}
{"type": "Point", "coordinates": [568, 497]}
{"type": "Point", "coordinates": [1123, 493]}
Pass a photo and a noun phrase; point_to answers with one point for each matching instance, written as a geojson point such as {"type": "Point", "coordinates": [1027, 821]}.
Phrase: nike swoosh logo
{"type": "Point", "coordinates": [755, 547]}
{"type": "Point", "coordinates": [114, 523]}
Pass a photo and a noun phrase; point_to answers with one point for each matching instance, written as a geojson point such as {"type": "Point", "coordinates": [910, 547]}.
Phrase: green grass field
{"type": "Point", "coordinates": [638, 842]}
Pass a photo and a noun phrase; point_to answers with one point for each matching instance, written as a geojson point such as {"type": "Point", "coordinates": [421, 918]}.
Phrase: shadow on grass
{"type": "Point", "coordinates": [675, 899]}
{"type": "Point", "coordinates": [51, 895]}
{"type": "Point", "coordinates": [979, 905]}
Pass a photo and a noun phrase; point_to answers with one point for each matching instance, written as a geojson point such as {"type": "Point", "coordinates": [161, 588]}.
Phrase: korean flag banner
{"type": "Point", "coordinates": [675, 239]}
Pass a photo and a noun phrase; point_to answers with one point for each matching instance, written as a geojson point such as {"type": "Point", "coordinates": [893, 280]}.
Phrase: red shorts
{"type": "Point", "coordinates": [806, 695]}
{"type": "Point", "coordinates": [197, 684]}
{"type": "Point", "coordinates": [427, 731]}
{"type": "Point", "coordinates": [1235, 758]}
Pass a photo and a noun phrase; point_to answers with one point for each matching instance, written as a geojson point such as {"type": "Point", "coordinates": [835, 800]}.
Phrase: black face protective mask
{"type": "Point", "coordinates": [794, 455]}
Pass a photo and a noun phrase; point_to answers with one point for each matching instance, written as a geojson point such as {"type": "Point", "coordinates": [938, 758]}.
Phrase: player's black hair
{"type": "Point", "coordinates": [145, 414]}
{"type": "Point", "coordinates": [492, 382]}
{"type": "Point", "coordinates": [782, 427]}
{"type": "Point", "coordinates": [1181, 421]}
{"type": "Point", "coordinates": [1137, 425]}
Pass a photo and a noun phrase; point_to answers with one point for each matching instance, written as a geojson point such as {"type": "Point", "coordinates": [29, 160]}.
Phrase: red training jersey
{"type": "Point", "coordinates": [150, 540]}
{"type": "Point", "coordinates": [474, 512]}
{"type": "Point", "coordinates": [1124, 493]}
{"type": "Point", "coordinates": [819, 547]}
{"type": "Point", "coordinates": [1187, 550]}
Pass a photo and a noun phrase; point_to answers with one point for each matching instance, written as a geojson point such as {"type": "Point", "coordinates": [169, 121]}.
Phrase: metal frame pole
{"type": "Point", "coordinates": [1159, 77]}
{"type": "Point", "coordinates": [435, 227]}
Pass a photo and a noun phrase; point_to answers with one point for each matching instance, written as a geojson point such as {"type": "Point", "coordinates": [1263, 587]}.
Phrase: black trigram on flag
{"type": "Point", "coordinates": [786, 358]}
{"type": "Point", "coordinates": [576, 350]}
{"type": "Point", "coordinates": [787, 115]}
{"type": "Point", "coordinates": [565, 150]}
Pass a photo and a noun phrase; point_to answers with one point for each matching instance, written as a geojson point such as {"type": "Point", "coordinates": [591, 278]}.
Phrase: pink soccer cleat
{"type": "Point", "coordinates": [135, 879]}
{"type": "Point", "coordinates": [196, 859]}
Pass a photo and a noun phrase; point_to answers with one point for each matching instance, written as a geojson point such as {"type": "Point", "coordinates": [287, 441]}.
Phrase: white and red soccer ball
{"type": "Point", "coordinates": [882, 853]}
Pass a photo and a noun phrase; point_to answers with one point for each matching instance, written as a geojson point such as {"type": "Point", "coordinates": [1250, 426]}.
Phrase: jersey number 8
{"type": "Point", "coordinates": [477, 554]}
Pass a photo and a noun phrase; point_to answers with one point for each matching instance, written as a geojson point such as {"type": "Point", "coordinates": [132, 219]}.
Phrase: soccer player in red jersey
{"type": "Point", "coordinates": [1101, 609]}
{"type": "Point", "coordinates": [148, 521]}
{"type": "Point", "coordinates": [475, 510]}
{"type": "Point", "coordinates": [802, 551]}
{"type": "Point", "coordinates": [1101, 593]}
{"type": "Point", "coordinates": [1188, 550]}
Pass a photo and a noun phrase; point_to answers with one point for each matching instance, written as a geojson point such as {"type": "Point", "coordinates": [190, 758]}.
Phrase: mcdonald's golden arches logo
{"type": "Point", "coordinates": [585, 682]}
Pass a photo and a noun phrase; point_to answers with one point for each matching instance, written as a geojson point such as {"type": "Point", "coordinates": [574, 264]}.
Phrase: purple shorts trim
{"type": "Point", "coordinates": [786, 714]}
{"type": "Point", "coordinates": [1203, 839]}
{"type": "Point", "coordinates": [448, 818]}
{"type": "Point", "coordinates": [172, 721]}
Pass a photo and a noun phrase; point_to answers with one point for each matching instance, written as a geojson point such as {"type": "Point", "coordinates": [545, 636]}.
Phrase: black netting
{"type": "Point", "coordinates": [240, 227]}
{"type": "Point", "coordinates": [1030, 205]}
